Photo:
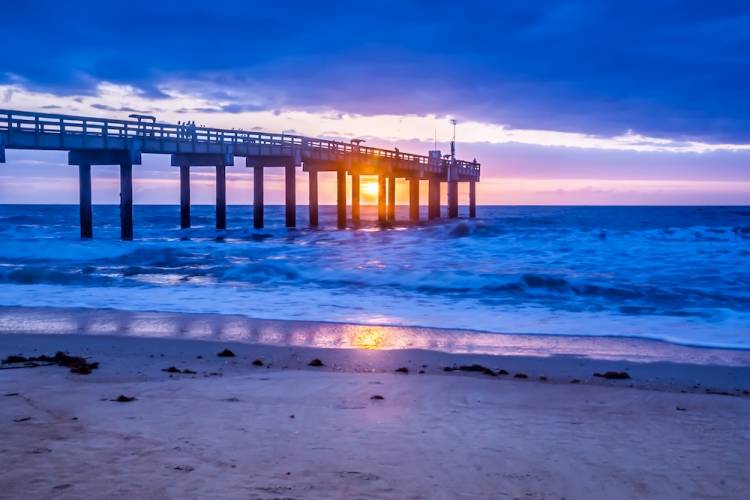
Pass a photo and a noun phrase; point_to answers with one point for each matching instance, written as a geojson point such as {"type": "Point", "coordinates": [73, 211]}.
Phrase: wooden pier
{"type": "Point", "coordinates": [98, 141]}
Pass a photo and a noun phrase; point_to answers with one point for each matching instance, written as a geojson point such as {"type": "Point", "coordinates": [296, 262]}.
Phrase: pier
{"type": "Point", "coordinates": [92, 141]}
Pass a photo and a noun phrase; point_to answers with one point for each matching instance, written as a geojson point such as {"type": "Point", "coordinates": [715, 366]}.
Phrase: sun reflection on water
{"type": "Point", "coordinates": [369, 338]}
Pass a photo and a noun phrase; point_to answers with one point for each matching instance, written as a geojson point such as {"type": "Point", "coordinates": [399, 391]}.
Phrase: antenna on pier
{"type": "Point", "coordinates": [453, 141]}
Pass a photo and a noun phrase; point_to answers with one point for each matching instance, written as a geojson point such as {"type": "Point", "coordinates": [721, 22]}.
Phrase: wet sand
{"type": "Point", "coordinates": [288, 430]}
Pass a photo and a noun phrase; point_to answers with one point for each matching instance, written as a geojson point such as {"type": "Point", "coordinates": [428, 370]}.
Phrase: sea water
{"type": "Point", "coordinates": [679, 274]}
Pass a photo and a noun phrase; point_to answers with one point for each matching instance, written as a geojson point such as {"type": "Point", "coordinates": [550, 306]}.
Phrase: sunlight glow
{"type": "Point", "coordinates": [369, 189]}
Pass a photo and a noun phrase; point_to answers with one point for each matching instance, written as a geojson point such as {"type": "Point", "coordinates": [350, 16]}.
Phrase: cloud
{"type": "Point", "coordinates": [668, 69]}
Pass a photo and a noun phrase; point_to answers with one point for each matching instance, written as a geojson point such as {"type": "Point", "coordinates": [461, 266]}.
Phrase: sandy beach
{"type": "Point", "coordinates": [284, 429]}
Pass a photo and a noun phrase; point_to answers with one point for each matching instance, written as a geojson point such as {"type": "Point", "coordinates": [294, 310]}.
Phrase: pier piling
{"type": "Point", "coordinates": [313, 191]}
{"type": "Point", "coordinates": [414, 199]}
{"type": "Point", "coordinates": [433, 199]}
{"type": "Point", "coordinates": [341, 198]}
{"type": "Point", "coordinates": [184, 197]}
{"type": "Point", "coordinates": [291, 196]}
{"type": "Point", "coordinates": [391, 199]}
{"type": "Point", "coordinates": [126, 201]}
{"type": "Point", "coordinates": [258, 197]}
{"type": "Point", "coordinates": [381, 199]}
{"type": "Point", "coordinates": [472, 199]}
{"type": "Point", "coordinates": [221, 197]}
{"type": "Point", "coordinates": [84, 197]}
{"type": "Point", "coordinates": [355, 198]}
{"type": "Point", "coordinates": [452, 199]}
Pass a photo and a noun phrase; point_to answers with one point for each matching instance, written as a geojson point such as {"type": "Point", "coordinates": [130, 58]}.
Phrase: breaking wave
{"type": "Point", "coordinates": [682, 272]}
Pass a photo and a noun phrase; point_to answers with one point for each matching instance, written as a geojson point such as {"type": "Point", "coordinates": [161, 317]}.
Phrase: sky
{"type": "Point", "coordinates": [562, 102]}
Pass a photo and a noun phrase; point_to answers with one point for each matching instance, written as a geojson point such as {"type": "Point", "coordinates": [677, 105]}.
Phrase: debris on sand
{"type": "Point", "coordinates": [448, 369]}
{"type": "Point", "coordinates": [477, 368]}
{"type": "Point", "coordinates": [174, 369]}
{"type": "Point", "coordinates": [15, 359]}
{"type": "Point", "coordinates": [403, 370]}
{"type": "Point", "coordinates": [258, 362]}
{"type": "Point", "coordinates": [680, 408]}
{"type": "Point", "coordinates": [503, 372]}
{"type": "Point", "coordinates": [613, 375]}
{"type": "Point", "coordinates": [315, 362]}
{"type": "Point", "coordinates": [542, 378]}
{"type": "Point", "coordinates": [185, 468]}
{"type": "Point", "coordinates": [123, 399]}
{"type": "Point", "coordinates": [377, 397]}
{"type": "Point", "coordinates": [226, 353]}
{"type": "Point", "coordinates": [232, 400]}
{"type": "Point", "coordinates": [11, 394]}
{"type": "Point", "coordinates": [77, 364]}
{"type": "Point", "coordinates": [520, 375]}
{"type": "Point", "coordinates": [22, 419]}
{"type": "Point", "coordinates": [575, 381]}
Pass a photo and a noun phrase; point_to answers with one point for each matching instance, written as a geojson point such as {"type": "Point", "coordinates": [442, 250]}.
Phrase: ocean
{"type": "Point", "coordinates": [679, 274]}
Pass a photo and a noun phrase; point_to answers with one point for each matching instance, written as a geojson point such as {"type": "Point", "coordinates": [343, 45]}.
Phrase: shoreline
{"type": "Point", "coordinates": [331, 334]}
{"type": "Point", "coordinates": [227, 428]}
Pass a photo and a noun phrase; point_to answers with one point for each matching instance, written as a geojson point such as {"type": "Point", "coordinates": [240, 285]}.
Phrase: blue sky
{"type": "Point", "coordinates": [567, 101]}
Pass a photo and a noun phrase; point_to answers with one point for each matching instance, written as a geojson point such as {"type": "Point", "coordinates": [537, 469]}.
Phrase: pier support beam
{"type": "Point", "coordinates": [381, 199]}
{"type": "Point", "coordinates": [84, 197]}
{"type": "Point", "coordinates": [291, 195]}
{"type": "Point", "coordinates": [414, 199]}
{"type": "Point", "coordinates": [258, 197]}
{"type": "Point", "coordinates": [184, 197]}
{"type": "Point", "coordinates": [472, 199]}
{"type": "Point", "coordinates": [355, 199]}
{"type": "Point", "coordinates": [392, 199]}
{"type": "Point", "coordinates": [452, 199]}
{"type": "Point", "coordinates": [221, 197]}
{"type": "Point", "coordinates": [313, 189]}
{"type": "Point", "coordinates": [433, 199]}
{"type": "Point", "coordinates": [341, 198]}
{"type": "Point", "coordinates": [126, 201]}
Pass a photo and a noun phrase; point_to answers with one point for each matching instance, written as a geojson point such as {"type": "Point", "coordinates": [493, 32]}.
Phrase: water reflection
{"type": "Point", "coordinates": [369, 338]}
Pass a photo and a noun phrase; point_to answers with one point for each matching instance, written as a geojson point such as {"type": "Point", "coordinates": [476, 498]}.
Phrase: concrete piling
{"type": "Point", "coordinates": [84, 197]}
{"type": "Point", "coordinates": [126, 201]}
{"type": "Point", "coordinates": [313, 203]}
{"type": "Point", "coordinates": [258, 197]}
{"type": "Point", "coordinates": [414, 199]}
{"type": "Point", "coordinates": [221, 197]}
{"type": "Point", "coordinates": [184, 197]}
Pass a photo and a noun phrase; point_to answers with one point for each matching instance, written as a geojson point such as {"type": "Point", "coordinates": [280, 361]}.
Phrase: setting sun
{"type": "Point", "coordinates": [370, 188]}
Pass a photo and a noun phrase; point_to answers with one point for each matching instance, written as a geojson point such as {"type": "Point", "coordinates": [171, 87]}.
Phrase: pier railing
{"type": "Point", "coordinates": [36, 130]}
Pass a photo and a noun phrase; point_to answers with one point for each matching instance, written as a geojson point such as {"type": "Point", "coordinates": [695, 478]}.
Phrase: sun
{"type": "Point", "coordinates": [370, 188]}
